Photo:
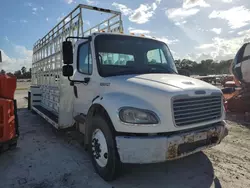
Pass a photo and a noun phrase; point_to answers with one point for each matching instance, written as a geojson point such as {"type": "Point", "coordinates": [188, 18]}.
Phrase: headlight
{"type": "Point", "coordinates": [137, 116]}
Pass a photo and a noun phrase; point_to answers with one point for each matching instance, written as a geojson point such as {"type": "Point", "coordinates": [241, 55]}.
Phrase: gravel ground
{"type": "Point", "coordinates": [45, 158]}
{"type": "Point", "coordinates": [22, 84]}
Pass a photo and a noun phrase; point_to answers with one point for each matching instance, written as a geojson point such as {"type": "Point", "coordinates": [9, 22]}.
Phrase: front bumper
{"type": "Point", "coordinates": [153, 149]}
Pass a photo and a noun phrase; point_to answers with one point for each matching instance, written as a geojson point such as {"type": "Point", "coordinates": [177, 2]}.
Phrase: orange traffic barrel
{"type": "Point", "coordinates": [7, 86]}
{"type": "Point", "coordinates": [7, 120]}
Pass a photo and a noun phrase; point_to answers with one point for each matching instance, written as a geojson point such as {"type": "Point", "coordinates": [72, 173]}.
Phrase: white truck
{"type": "Point", "coordinates": [123, 93]}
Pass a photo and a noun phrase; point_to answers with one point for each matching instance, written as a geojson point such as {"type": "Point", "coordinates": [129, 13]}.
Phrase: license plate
{"type": "Point", "coordinates": [195, 137]}
{"type": "Point", "coordinates": [200, 136]}
{"type": "Point", "coordinates": [186, 143]}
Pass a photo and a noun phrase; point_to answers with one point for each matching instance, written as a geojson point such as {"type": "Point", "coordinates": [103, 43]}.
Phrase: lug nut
{"type": "Point", "coordinates": [105, 155]}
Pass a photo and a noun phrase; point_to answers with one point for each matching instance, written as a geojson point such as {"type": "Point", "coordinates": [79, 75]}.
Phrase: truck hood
{"type": "Point", "coordinates": [166, 82]}
{"type": "Point", "coordinates": [154, 92]}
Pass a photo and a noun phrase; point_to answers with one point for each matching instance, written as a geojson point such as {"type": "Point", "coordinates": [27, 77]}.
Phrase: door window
{"type": "Point", "coordinates": [85, 59]}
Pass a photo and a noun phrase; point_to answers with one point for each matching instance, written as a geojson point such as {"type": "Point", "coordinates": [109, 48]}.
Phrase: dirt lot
{"type": "Point", "coordinates": [23, 84]}
{"type": "Point", "coordinates": [45, 158]}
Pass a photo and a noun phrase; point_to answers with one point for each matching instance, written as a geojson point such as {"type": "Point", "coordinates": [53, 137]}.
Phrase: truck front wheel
{"type": "Point", "coordinates": [103, 149]}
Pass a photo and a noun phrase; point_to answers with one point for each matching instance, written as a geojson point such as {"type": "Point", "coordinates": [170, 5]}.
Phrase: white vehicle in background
{"type": "Point", "coordinates": [123, 93]}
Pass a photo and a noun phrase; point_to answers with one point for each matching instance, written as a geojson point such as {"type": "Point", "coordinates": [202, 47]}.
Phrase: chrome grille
{"type": "Point", "coordinates": [193, 110]}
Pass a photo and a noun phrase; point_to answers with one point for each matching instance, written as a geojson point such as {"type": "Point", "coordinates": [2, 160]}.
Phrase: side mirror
{"type": "Point", "coordinates": [68, 70]}
{"type": "Point", "coordinates": [0, 56]}
{"type": "Point", "coordinates": [67, 49]}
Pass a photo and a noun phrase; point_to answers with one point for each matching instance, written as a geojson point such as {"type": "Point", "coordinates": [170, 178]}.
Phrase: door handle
{"type": "Point", "coordinates": [75, 91]}
{"type": "Point", "coordinates": [86, 80]}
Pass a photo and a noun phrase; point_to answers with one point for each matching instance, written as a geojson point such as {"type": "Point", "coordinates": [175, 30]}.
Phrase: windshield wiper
{"type": "Point", "coordinates": [126, 71]}
{"type": "Point", "coordinates": [154, 67]}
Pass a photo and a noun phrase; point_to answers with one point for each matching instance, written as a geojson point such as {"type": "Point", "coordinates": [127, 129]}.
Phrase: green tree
{"type": "Point", "coordinates": [178, 63]}
{"type": "Point", "coordinates": [205, 67]}
{"type": "Point", "coordinates": [2, 71]}
{"type": "Point", "coordinates": [18, 74]}
{"type": "Point", "coordinates": [23, 69]}
{"type": "Point", "coordinates": [10, 74]}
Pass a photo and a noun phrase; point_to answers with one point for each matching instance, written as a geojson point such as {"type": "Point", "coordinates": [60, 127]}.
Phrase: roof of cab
{"type": "Point", "coordinates": [122, 34]}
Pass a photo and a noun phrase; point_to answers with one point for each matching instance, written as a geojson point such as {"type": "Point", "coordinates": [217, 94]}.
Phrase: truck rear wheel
{"type": "Point", "coordinates": [103, 151]}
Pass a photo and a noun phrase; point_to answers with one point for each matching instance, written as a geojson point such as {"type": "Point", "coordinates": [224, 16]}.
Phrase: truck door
{"type": "Point", "coordinates": [84, 92]}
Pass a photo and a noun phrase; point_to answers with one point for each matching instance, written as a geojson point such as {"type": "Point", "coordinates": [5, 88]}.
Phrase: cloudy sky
{"type": "Point", "coordinates": [194, 29]}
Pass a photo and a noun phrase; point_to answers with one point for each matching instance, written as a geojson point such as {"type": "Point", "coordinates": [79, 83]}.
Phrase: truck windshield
{"type": "Point", "coordinates": [122, 55]}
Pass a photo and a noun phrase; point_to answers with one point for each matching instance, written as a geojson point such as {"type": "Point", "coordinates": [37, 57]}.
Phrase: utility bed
{"type": "Point", "coordinates": [46, 113]}
{"type": "Point", "coordinates": [49, 90]}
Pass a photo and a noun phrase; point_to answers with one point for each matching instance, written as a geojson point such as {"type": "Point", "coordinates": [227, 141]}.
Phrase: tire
{"type": "Point", "coordinates": [106, 164]}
